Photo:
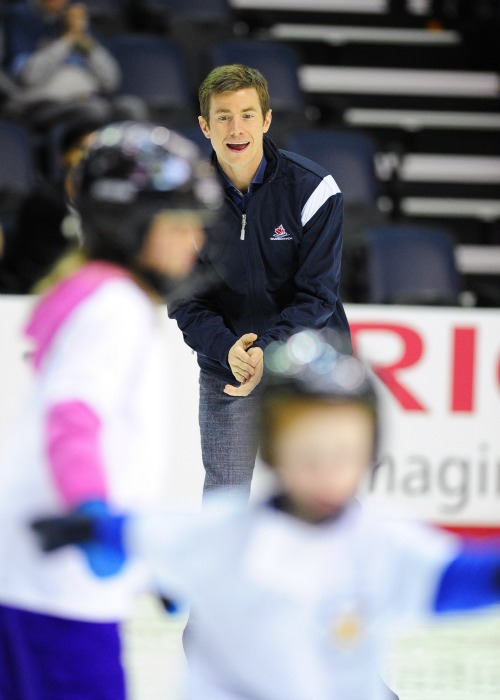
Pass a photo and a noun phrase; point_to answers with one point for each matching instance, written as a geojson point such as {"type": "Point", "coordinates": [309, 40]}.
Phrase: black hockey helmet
{"type": "Point", "coordinates": [130, 172]}
{"type": "Point", "coordinates": [312, 365]}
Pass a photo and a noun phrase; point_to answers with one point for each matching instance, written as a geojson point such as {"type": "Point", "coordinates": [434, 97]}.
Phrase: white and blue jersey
{"type": "Point", "coordinates": [285, 609]}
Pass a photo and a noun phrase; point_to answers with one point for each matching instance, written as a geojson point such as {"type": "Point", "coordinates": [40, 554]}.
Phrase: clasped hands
{"type": "Point", "coordinates": [77, 25]}
{"type": "Point", "coordinates": [247, 365]}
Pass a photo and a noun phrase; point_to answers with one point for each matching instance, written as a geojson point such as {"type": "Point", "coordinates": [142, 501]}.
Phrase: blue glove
{"type": "Point", "coordinates": [105, 552]}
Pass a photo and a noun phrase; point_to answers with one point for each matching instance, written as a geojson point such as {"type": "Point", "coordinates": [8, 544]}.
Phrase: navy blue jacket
{"type": "Point", "coordinates": [283, 275]}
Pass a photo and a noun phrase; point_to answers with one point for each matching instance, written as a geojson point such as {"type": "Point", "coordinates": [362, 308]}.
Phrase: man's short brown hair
{"type": "Point", "coordinates": [229, 79]}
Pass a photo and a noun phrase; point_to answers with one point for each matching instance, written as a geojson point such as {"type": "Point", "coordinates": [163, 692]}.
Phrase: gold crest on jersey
{"type": "Point", "coordinates": [347, 629]}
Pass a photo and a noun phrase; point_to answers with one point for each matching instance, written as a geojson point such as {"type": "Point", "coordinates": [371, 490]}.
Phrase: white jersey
{"type": "Point", "coordinates": [110, 354]}
{"type": "Point", "coordinates": [285, 609]}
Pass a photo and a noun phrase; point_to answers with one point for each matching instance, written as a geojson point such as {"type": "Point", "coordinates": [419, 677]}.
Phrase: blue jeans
{"type": "Point", "coordinates": [228, 428]}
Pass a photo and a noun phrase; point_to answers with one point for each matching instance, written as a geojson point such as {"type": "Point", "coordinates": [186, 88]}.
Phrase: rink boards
{"type": "Point", "coordinates": [439, 378]}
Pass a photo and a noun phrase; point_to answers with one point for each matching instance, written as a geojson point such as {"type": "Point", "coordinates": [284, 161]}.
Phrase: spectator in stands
{"type": "Point", "coordinates": [62, 70]}
{"type": "Point", "coordinates": [8, 91]}
{"type": "Point", "coordinates": [7, 279]}
{"type": "Point", "coordinates": [279, 270]}
{"type": "Point", "coordinates": [43, 223]}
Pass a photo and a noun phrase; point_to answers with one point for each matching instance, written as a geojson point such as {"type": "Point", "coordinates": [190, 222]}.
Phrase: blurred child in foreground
{"type": "Point", "coordinates": [92, 434]}
{"type": "Point", "coordinates": [295, 596]}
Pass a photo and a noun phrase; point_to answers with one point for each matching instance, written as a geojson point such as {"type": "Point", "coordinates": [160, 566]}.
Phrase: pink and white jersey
{"type": "Point", "coordinates": [94, 426]}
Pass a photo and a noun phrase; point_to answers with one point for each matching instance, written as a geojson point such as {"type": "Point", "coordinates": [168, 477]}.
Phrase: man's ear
{"type": "Point", "coordinates": [267, 120]}
{"type": "Point", "coordinates": [204, 126]}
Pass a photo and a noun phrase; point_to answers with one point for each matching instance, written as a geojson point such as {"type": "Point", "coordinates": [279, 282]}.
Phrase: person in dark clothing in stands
{"type": "Point", "coordinates": [44, 225]}
{"type": "Point", "coordinates": [279, 268]}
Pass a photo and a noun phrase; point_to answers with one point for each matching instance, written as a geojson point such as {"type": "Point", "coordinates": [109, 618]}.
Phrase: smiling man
{"type": "Point", "coordinates": [278, 268]}
{"type": "Point", "coordinates": [236, 124]}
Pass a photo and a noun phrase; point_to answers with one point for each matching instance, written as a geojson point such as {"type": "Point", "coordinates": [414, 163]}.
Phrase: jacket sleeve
{"type": "Point", "coordinates": [204, 329]}
{"type": "Point", "coordinates": [471, 580]}
{"type": "Point", "coordinates": [88, 384]}
{"type": "Point", "coordinates": [74, 452]}
{"type": "Point", "coordinates": [105, 68]}
{"type": "Point", "coordinates": [36, 68]}
{"type": "Point", "coordinates": [317, 279]}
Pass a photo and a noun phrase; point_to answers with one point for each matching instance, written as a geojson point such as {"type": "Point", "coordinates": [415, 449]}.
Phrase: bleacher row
{"type": "Point", "coordinates": [399, 100]}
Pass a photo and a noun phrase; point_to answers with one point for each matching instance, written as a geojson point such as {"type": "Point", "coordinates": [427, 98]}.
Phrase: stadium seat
{"type": "Point", "coordinates": [279, 64]}
{"type": "Point", "coordinates": [17, 180]}
{"type": "Point", "coordinates": [215, 11]}
{"type": "Point", "coordinates": [195, 24]}
{"type": "Point", "coordinates": [410, 264]}
{"type": "Point", "coordinates": [348, 156]}
{"type": "Point", "coordinates": [154, 68]}
{"type": "Point", "coordinates": [107, 16]}
{"type": "Point", "coordinates": [17, 168]}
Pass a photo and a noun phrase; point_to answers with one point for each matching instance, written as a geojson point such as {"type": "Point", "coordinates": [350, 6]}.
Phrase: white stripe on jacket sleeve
{"type": "Point", "coordinates": [326, 188]}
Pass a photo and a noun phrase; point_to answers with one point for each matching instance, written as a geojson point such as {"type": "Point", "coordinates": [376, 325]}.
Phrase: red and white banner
{"type": "Point", "coordinates": [440, 372]}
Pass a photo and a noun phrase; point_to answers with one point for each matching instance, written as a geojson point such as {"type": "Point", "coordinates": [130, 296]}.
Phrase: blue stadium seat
{"type": "Point", "coordinates": [195, 24]}
{"type": "Point", "coordinates": [107, 16]}
{"type": "Point", "coordinates": [348, 156]}
{"type": "Point", "coordinates": [217, 11]}
{"type": "Point", "coordinates": [278, 63]}
{"type": "Point", "coordinates": [17, 168]}
{"type": "Point", "coordinates": [17, 180]}
{"type": "Point", "coordinates": [154, 68]}
{"type": "Point", "coordinates": [410, 264]}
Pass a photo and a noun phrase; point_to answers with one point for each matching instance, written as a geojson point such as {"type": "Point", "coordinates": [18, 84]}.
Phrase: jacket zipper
{"type": "Point", "coordinates": [248, 253]}
{"type": "Point", "coordinates": [243, 226]}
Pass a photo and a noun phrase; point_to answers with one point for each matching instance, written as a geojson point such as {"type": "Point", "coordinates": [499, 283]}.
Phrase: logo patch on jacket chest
{"type": "Point", "coordinates": [280, 234]}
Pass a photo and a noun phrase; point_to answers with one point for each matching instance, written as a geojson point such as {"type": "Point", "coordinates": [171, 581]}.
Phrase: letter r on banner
{"type": "Point", "coordinates": [413, 348]}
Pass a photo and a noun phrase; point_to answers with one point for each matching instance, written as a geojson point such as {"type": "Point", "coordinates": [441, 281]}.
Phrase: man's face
{"type": "Point", "coordinates": [236, 128]}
